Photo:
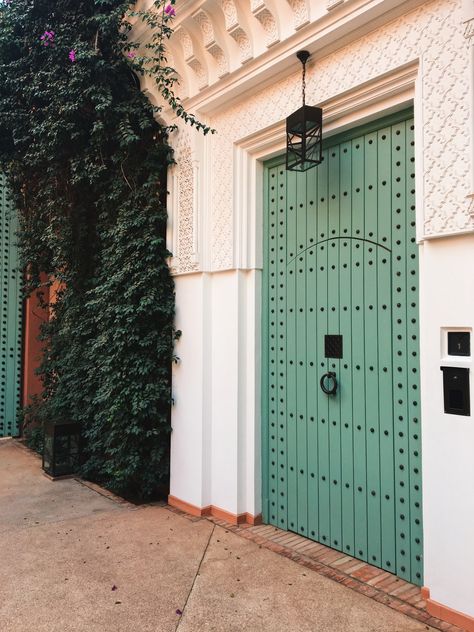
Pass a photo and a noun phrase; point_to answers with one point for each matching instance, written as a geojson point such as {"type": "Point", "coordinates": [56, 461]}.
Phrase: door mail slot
{"type": "Point", "coordinates": [333, 346]}
{"type": "Point", "coordinates": [456, 390]}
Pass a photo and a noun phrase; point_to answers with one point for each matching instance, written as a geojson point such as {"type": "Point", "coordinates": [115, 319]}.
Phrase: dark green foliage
{"type": "Point", "coordinates": [35, 439]}
{"type": "Point", "coordinates": [86, 160]}
{"type": "Point", "coordinates": [32, 432]}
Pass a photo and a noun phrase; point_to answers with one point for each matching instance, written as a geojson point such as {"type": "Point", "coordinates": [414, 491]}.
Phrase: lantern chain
{"type": "Point", "coordinates": [304, 83]}
{"type": "Point", "coordinates": [303, 56]}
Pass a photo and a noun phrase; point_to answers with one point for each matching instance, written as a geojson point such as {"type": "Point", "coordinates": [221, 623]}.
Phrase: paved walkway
{"type": "Point", "coordinates": [74, 560]}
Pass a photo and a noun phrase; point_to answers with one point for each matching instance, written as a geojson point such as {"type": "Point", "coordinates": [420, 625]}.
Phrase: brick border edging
{"type": "Point", "coordinates": [408, 600]}
{"type": "Point", "coordinates": [103, 491]}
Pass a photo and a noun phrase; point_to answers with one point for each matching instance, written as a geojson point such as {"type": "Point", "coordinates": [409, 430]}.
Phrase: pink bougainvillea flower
{"type": "Point", "coordinates": [48, 38]}
{"type": "Point", "coordinates": [72, 55]}
{"type": "Point", "coordinates": [169, 10]}
{"type": "Point", "coordinates": [131, 55]}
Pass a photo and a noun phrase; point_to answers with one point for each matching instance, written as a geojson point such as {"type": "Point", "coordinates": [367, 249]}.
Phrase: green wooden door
{"type": "Point", "coordinates": [341, 260]}
{"type": "Point", "coordinates": [10, 317]}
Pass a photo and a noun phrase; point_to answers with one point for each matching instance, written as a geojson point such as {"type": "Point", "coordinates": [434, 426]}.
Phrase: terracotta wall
{"type": "Point", "coordinates": [35, 315]}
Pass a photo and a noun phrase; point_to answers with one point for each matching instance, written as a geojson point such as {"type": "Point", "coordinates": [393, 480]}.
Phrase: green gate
{"type": "Point", "coordinates": [10, 317]}
{"type": "Point", "coordinates": [341, 297]}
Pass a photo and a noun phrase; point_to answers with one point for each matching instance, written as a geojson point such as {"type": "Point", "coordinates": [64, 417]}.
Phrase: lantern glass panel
{"type": "Point", "coordinates": [304, 139]}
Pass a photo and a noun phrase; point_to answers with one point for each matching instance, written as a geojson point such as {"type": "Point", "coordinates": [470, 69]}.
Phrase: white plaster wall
{"type": "Point", "coordinates": [447, 300]}
{"type": "Point", "coordinates": [225, 384]}
{"type": "Point", "coordinates": [216, 415]}
{"type": "Point", "coordinates": [191, 420]}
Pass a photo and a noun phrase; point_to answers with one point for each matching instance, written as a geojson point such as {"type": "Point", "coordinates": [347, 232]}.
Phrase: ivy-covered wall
{"type": "Point", "coordinates": [86, 161]}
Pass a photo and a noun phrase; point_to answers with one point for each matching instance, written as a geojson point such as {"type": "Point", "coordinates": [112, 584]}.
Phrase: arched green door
{"type": "Point", "coordinates": [341, 297]}
{"type": "Point", "coordinates": [10, 317]}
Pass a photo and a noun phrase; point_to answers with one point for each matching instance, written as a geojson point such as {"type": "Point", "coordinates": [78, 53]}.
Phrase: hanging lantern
{"type": "Point", "coordinates": [304, 131]}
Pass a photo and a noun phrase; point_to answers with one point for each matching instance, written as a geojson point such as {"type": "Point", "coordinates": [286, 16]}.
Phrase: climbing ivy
{"type": "Point", "coordinates": [86, 160]}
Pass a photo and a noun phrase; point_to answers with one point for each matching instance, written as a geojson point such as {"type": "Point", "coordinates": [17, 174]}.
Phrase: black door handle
{"type": "Point", "coordinates": [330, 377]}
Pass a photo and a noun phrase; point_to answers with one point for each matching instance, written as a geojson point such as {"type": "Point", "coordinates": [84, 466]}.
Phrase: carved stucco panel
{"type": "Point", "coordinates": [230, 14]}
{"type": "Point", "coordinates": [301, 12]}
{"type": "Point", "coordinates": [269, 25]}
{"type": "Point", "coordinates": [210, 44]}
{"type": "Point", "coordinates": [205, 24]}
{"type": "Point", "coordinates": [236, 31]}
{"type": "Point", "coordinates": [243, 42]}
{"type": "Point", "coordinates": [191, 59]}
{"type": "Point", "coordinates": [223, 66]}
{"type": "Point", "coordinates": [184, 258]}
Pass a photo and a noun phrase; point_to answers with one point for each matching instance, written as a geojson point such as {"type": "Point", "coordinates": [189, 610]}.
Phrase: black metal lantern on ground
{"type": "Point", "coordinates": [62, 448]}
{"type": "Point", "coordinates": [304, 131]}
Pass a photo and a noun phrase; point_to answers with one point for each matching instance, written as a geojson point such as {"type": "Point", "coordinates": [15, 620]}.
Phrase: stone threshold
{"type": "Point", "coordinates": [365, 579]}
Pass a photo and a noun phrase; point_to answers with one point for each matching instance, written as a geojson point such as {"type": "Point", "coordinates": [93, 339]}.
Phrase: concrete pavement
{"type": "Point", "coordinates": [74, 560]}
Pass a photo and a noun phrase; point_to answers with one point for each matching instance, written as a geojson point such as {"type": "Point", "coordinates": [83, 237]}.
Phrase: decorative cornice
{"type": "Point", "coordinates": [210, 41]}
{"type": "Point", "coordinates": [247, 45]}
{"type": "Point", "coordinates": [351, 21]}
{"type": "Point", "coordinates": [268, 21]}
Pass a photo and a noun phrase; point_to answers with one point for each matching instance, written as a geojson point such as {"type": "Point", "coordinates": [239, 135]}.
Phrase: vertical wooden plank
{"type": "Point", "coordinates": [291, 215]}
{"type": "Point", "coordinates": [301, 377]}
{"type": "Point", "coordinates": [312, 387]}
{"type": "Point", "coordinates": [282, 357]}
{"type": "Point", "coordinates": [345, 389]}
{"type": "Point", "coordinates": [301, 367]}
{"type": "Point", "coordinates": [292, 403]}
{"type": "Point", "coordinates": [413, 378]}
{"type": "Point", "coordinates": [322, 324]}
{"type": "Point", "coordinates": [371, 350]}
{"type": "Point", "coordinates": [387, 482]}
{"type": "Point", "coordinates": [271, 274]}
{"type": "Point", "coordinates": [335, 467]}
{"type": "Point", "coordinates": [358, 351]}
{"type": "Point", "coordinates": [400, 351]}
{"type": "Point", "coordinates": [311, 207]}
{"type": "Point", "coordinates": [266, 363]}
{"type": "Point", "coordinates": [291, 361]}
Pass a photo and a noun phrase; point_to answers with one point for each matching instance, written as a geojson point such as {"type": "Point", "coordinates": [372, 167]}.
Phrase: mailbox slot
{"type": "Point", "coordinates": [456, 390]}
{"type": "Point", "coordinates": [459, 343]}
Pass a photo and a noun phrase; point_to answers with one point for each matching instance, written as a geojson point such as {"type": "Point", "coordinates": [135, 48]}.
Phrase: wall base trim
{"type": "Point", "coordinates": [188, 508]}
{"type": "Point", "coordinates": [215, 512]}
{"type": "Point", "coordinates": [438, 610]}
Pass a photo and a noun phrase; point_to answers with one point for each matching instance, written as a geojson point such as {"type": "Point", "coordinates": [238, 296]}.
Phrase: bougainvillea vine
{"type": "Point", "coordinates": [86, 159]}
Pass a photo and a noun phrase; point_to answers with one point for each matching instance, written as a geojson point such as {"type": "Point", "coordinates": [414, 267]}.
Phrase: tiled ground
{"type": "Point", "coordinates": [361, 577]}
